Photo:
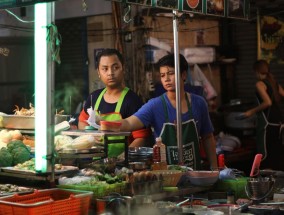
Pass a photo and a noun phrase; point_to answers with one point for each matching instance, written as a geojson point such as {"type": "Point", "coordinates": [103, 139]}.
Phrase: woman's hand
{"type": "Point", "coordinates": [248, 113]}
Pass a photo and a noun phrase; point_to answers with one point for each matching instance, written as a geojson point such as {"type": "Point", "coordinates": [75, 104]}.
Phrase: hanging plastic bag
{"type": "Point", "coordinates": [199, 79]}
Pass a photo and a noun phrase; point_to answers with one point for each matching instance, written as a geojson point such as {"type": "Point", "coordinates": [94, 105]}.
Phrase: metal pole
{"type": "Point", "coordinates": [177, 77]}
{"type": "Point", "coordinates": [50, 99]}
{"type": "Point", "coordinates": [258, 35]}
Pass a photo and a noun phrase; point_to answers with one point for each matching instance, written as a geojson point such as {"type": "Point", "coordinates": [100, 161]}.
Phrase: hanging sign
{"type": "Point", "coordinates": [194, 6]}
{"type": "Point", "coordinates": [237, 9]}
{"type": "Point", "coordinates": [215, 7]}
{"type": "Point", "coordinates": [168, 4]}
{"type": "Point", "coordinates": [222, 8]}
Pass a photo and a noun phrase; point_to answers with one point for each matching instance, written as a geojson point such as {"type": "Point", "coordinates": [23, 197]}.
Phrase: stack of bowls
{"type": "Point", "coordinates": [140, 154]}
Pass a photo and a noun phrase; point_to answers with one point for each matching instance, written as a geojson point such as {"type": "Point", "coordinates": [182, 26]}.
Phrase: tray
{"type": "Point", "coordinates": [18, 122]}
{"type": "Point", "coordinates": [17, 190]}
{"type": "Point", "coordinates": [26, 122]}
{"type": "Point", "coordinates": [12, 193]}
{"type": "Point", "coordinates": [66, 169]}
{"type": "Point", "coordinates": [140, 150]}
{"type": "Point", "coordinates": [96, 149]}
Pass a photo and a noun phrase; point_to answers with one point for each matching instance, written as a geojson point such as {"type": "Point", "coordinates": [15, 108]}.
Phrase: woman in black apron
{"type": "Point", "coordinates": [269, 117]}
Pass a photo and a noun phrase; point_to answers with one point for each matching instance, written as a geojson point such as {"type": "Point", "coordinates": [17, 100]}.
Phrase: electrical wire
{"type": "Point", "coordinates": [21, 20]}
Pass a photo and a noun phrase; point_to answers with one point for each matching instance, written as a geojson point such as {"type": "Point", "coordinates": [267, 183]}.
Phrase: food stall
{"type": "Point", "coordinates": [137, 185]}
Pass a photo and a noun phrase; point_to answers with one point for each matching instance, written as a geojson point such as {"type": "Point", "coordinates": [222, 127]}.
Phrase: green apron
{"type": "Point", "coordinates": [190, 139]}
{"type": "Point", "coordinates": [114, 149]}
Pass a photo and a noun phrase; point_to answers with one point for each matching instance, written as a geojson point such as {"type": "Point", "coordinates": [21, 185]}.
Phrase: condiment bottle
{"type": "Point", "coordinates": [230, 197]}
{"type": "Point", "coordinates": [159, 151]}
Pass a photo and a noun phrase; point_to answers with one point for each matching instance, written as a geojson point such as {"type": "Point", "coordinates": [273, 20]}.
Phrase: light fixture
{"type": "Point", "coordinates": [44, 120]}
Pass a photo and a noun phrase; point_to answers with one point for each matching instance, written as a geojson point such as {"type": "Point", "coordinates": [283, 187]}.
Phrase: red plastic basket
{"type": "Point", "coordinates": [47, 202]}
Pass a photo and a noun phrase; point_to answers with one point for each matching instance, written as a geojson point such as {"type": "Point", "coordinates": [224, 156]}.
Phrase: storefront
{"type": "Point", "coordinates": [145, 29]}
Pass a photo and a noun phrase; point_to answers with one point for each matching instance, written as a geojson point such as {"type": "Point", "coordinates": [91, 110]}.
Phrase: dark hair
{"type": "Point", "coordinates": [262, 67]}
{"type": "Point", "coordinates": [109, 52]}
{"type": "Point", "coordinates": [169, 60]}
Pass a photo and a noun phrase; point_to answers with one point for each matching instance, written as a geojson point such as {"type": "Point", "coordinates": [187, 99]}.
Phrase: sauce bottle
{"type": "Point", "coordinates": [159, 151]}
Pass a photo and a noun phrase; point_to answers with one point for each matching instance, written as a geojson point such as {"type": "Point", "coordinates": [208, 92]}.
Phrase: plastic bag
{"type": "Point", "coordinates": [199, 79]}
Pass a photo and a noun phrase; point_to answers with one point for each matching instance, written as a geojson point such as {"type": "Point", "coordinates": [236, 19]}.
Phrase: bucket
{"type": "Point", "coordinates": [259, 188]}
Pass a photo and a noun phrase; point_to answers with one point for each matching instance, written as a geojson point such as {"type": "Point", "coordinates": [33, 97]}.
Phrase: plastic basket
{"type": "Point", "coordinates": [47, 202]}
{"type": "Point", "coordinates": [170, 178]}
{"type": "Point", "coordinates": [237, 185]}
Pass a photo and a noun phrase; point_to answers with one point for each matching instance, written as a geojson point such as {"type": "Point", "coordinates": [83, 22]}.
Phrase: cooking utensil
{"type": "Point", "coordinates": [180, 203]}
{"type": "Point", "coordinates": [241, 116]}
{"type": "Point", "coordinates": [243, 206]}
{"type": "Point", "coordinates": [272, 203]}
{"type": "Point", "coordinates": [259, 188]}
{"type": "Point", "coordinates": [239, 120]}
{"type": "Point", "coordinates": [256, 164]}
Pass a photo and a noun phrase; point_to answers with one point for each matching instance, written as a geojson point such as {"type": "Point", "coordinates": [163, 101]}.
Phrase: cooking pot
{"type": "Point", "coordinates": [259, 188]}
{"type": "Point", "coordinates": [232, 121]}
{"type": "Point", "coordinates": [235, 126]}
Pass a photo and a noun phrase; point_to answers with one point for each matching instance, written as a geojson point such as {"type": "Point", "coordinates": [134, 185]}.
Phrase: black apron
{"type": "Point", "coordinates": [268, 134]}
{"type": "Point", "coordinates": [190, 139]}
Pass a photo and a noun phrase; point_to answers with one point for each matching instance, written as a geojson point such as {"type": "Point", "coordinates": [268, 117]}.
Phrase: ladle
{"type": "Point", "coordinates": [180, 203]}
{"type": "Point", "coordinates": [256, 164]}
{"type": "Point", "coordinates": [191, 200]}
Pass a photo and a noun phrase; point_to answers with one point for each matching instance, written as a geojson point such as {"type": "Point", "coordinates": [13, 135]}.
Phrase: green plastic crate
{"type": "Point", "coordinates": [237, 185]}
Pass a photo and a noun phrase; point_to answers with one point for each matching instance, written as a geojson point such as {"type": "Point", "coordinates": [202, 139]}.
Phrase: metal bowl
{"type": "Point", "coordinates": [203, 178]}
{"type": "Point", "coordinates": [140, 150]}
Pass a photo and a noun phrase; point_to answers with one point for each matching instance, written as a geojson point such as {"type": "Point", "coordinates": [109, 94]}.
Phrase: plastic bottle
{"type": "Point", "coordinates": [159, 151]}
{"type": "Point", "coordinates": [230, 197]}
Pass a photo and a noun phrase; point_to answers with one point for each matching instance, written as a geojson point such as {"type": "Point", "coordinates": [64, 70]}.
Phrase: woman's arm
{"type": "Point", "coordinates": [281, 91]}
{"type": "Point", "coordinates": [209, 144]}
{"type": "Point", "coordinates": [131, 123]}
{"type": "Point", "coordinates": [266, 101]}
{"type": "Point", "coordinates": [82, 125]}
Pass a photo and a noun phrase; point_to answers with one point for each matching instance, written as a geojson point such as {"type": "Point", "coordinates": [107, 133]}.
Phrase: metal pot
{"type": "Point", "coordinates": [231, 121]}
{"type": "Point", "coordinates": [259, 188]}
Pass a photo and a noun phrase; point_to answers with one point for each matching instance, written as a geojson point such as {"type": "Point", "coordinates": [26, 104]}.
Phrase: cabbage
{"type": "Point", "coordinates": [62, 142]}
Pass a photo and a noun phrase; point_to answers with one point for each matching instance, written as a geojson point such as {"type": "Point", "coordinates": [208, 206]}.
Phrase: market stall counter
{"type": "Point", "coordinates": [107, 139]}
